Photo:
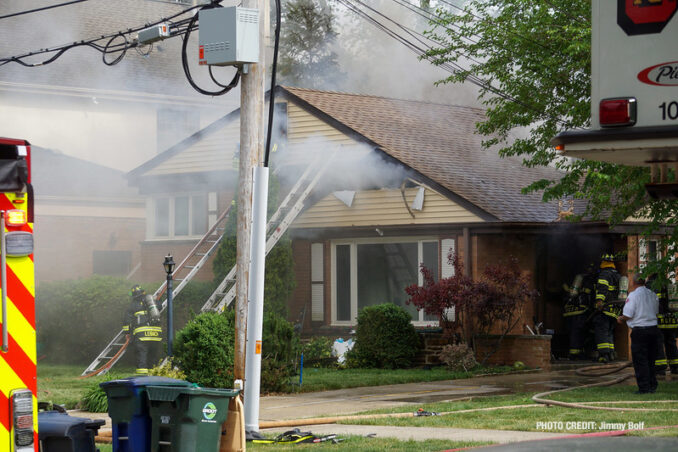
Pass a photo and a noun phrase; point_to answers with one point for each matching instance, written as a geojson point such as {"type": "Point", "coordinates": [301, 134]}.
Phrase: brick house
{"type": "Point", "coordinates": [408, 182]}
{"type": "Point", "coordinates": [88, 220]}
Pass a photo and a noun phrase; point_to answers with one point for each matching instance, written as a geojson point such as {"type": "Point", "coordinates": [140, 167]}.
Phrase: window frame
{"type": "Point", "coordinates": [353, 270]}
{"type": "Point", "coordinates": [151, 215]}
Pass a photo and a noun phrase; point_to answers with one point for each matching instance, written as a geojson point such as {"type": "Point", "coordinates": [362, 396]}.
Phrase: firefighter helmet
{"type": "Point", "coordinates": [609, 257]}
{"type": "Point", "coordinates": [137, 291]}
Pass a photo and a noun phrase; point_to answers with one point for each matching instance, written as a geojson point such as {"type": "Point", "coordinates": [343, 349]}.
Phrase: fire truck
{"type": "Point", "coordinates": [18, 372]}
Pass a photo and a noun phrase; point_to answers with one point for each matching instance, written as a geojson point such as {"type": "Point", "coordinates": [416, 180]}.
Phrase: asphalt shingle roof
{"type": "Point", "coordinates": [440, 142]}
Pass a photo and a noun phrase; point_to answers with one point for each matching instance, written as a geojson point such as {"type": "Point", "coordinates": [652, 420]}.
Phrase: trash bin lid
{"type": "Point", "coordinates": [133, 382]}
{"type": "Point", "coordinates": [170, 393]}
{"type": "Point", "coordinates": [55, 424]}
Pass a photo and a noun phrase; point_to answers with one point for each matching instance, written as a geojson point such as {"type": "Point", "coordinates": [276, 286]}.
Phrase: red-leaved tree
{"type": "Point", "coordinates": [493, 304]}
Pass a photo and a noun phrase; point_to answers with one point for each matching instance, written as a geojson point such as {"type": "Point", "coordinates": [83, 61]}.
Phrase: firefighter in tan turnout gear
{"type": "Point", "coordinates": [667, 321]}
{"type": "Point", "coordinates": [142, 321]}
{"type": "Point", "coordinates": [607, 308]}
{"type": "Point", "coordinates": [577, 308]}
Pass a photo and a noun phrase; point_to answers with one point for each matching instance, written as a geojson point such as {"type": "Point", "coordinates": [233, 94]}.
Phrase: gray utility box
{"type": "Point", "coordinates": [229, 36]}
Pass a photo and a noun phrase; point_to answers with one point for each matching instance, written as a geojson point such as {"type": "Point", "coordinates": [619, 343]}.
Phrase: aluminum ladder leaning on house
{"type": "Point", "coordinates": [288, 210]}
{"type": "Point", "coordinates": [185, 271]}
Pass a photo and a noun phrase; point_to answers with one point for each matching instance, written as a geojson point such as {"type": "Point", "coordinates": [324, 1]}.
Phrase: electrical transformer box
{"type": "Point", "coordinates": [228, 36]}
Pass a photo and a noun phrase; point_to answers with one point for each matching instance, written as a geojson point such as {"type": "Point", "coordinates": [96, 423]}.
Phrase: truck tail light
{"type": "Point", "coordinates": [617, 112]}
{"type": "Point", "coordinates": [16, 217]}
{"type": "Point", "coordinates": [22, 420]}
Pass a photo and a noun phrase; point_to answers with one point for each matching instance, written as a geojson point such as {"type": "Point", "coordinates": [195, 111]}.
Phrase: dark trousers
{"type": "Point", "coordinates": [603, 331]}
{"type": "Point", "coordinates": [576, 326]}
{"type": "Point", "coordinates": [644, 353]}
{"type": "Point", "coordinates": [146, 355]}
{"type": "Point", "coordinates": [667, 352]}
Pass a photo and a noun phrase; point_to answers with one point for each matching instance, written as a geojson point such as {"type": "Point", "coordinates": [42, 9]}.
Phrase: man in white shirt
{"type": "Point", "coordinates": [640, 314]}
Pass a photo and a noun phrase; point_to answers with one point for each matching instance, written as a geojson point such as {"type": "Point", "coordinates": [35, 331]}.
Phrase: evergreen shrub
{"type": "Point", "coordinates": [204, 349]}
{"type": "Point", "coordinates": [385, 338]}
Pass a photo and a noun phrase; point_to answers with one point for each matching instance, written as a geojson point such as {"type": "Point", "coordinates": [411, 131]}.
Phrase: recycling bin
{"type": "Point", "coordinates": [187, 419]}
{"type": "Point", "coordinates": [59, 432]}
{"type": "Point", "coordinates": [128, 409]}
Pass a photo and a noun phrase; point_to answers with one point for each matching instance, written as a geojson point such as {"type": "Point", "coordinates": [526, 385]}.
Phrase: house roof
{"type": "Point", "coordinates": [439, 142]}
{"type": "Point", "coordinates": [58, 175]}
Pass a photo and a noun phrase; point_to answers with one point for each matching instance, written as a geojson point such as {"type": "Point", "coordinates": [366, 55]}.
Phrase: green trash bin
{"type": "Point", "coordinates": [187, 419]}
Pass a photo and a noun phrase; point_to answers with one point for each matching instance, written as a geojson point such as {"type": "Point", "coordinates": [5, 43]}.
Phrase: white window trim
{"type": "Point", "coordinates": [353, 243]}
{"type": "Point", "coordinates": [150, 215]}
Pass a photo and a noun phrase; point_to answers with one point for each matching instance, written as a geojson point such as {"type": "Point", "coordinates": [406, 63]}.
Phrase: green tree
{"type": "Point", "coordinates": [532, 63]}
{"type": "Point", "coordinates": [307, 58]}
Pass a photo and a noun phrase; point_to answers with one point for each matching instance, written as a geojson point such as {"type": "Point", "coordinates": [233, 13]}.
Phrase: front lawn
{"type": "Point", "coordinates": [328, 379]}
{"type": "Point", "coordinates": [537, 417]}
{"type": "Point", "coordinates": [60, 384]}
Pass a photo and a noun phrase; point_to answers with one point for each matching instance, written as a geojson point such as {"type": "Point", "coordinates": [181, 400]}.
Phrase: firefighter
{"type": "Point", "coordinates": [667, 352]}
{"type": "Point", "coordinates": [607, 308]}
{"type": "Point", "coordinates": [142, 321]}
{"type": "Point", "coordinates": [577, 310]}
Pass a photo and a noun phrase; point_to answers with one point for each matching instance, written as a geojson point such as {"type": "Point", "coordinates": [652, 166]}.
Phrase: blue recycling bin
{"type": "Point", "coordinates": [128, 409]}
{"type": "Point", "coordinates": [59, 432]}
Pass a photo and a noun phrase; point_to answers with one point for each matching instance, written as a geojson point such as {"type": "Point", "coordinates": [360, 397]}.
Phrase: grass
{"type": "Point", "coordinates": [540, 418]}
{"type": "Point", "coordinates": [59, 384]}
{"type": "Point", "coordinates": [352, 443]}
{"type": "Point", "coordinates": [328, 379]}
{"type": "Point", "coordinates": [360, 443]}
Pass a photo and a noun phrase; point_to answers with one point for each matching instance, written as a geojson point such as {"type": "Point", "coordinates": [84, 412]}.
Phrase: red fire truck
{"type": "Point", "coordinates": [18, 386]}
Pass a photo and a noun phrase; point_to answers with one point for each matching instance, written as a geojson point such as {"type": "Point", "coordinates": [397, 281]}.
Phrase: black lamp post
{"type": "Point", "coordinates": [169, 268]}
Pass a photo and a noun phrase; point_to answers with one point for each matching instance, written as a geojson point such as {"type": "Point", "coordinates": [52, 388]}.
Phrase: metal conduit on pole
{"type": "Point", "coordinates": [255, 315]}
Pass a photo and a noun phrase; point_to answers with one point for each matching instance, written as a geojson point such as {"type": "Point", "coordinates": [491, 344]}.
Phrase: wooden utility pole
{"type": "Point", "coordinates": [252, 140]}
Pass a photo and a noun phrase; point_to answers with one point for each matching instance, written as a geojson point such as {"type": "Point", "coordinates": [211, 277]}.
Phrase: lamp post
{"type": "Point", "coordinates": [169, 268]}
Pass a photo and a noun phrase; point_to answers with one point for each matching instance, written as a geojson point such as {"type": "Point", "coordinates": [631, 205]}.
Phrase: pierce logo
{"type": "Point", "coordinates": [209, 411]}
{"type": "Point", "coordinates": [663, 74]}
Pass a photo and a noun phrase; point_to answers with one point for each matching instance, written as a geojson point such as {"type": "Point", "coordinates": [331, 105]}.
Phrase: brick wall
{"type": "Point", "coordinates": [533, 351]}
{"type": "Point", "coordinates": [495, 249]}
{"type": "Point", "coordinates": [432, 345]}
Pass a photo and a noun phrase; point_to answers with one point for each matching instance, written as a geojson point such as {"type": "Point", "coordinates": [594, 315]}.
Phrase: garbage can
{"type": "Point", "coordinates": [128, 409]}
{"type": "Point", "coordinates": [187, 419]}
{"type": "Point", "coordinates": [59, 432]}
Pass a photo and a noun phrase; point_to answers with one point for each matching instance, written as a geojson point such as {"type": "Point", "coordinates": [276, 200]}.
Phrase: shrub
{"type": "Point", "coordinates": [76, 319]}
{"type": "Point", "coordinates": [204, 349]}
{"type": "Point", "coordinates": [385, 338]}
{"type": "Point", "coordinates": [318, 352]}
{"type": "Point", "coordinates": [97, 306]}
{"type": "Point", "coordinates": [458, 357]}
{"type": "Point", "coordinates": [168, 370]}
{"type": "Point", "coordinates": [95, 400]}
{"type": "Point", "coordinates": [280, 351]}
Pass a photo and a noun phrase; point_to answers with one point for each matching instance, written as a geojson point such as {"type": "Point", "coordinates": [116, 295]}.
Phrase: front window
{"type": "Point", "coordinates": [179, 216]}
{"type": "Point", "coordinates": [371, 272]}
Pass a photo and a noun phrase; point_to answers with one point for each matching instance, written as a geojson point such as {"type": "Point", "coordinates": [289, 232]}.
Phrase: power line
{"type": "Point", "coordinates": [103, 44]}
{"type": "Point", "coordinates": [21, 13]}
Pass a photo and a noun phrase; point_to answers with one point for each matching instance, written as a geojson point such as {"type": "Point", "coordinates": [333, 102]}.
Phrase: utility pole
{"type": "Point", "coordinates": [252, 140]}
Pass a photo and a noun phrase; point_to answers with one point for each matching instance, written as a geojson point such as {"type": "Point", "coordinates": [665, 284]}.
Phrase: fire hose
{"type": "Point", "coordinates": [108, 363]}
{"type": "Point", "coordinates": [597, 371]}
